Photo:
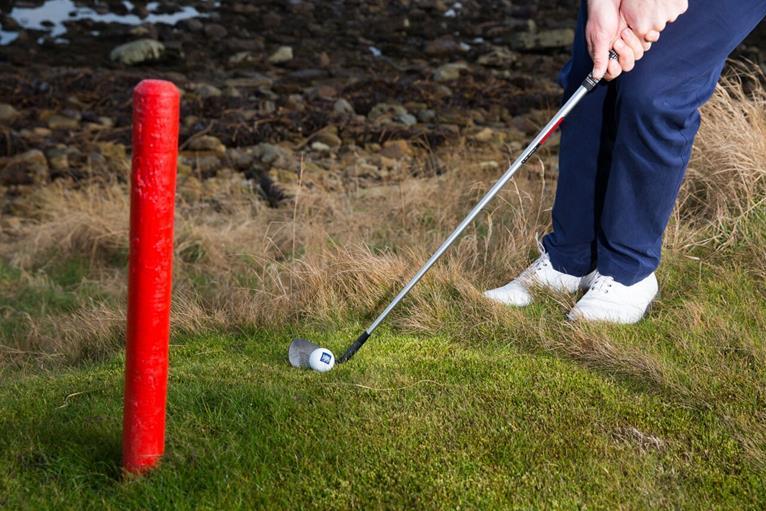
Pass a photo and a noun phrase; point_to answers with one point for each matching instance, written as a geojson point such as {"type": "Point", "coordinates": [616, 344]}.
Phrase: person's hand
{"type": "Point", "coordinates": [647, 18]}
{"type": "Point", "coordinates": [607, 29]}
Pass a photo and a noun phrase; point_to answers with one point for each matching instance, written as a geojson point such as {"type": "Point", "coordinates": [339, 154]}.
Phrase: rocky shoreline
{"type": "Point", "coordinates": [338, 92]}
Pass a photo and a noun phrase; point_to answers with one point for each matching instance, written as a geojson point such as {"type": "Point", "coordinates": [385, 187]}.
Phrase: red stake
{"type": "Point", "coordinates": [152, 199]}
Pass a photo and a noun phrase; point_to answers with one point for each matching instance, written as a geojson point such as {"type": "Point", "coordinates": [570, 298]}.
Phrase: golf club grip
{"type": "Point", "coordinates": [358, 343]}
{"type": "Point", "coordinates": [589, 83]}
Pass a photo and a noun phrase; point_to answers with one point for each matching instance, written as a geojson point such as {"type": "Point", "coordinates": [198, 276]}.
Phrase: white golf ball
{"type": "Point", "coordinates": [321, 360]}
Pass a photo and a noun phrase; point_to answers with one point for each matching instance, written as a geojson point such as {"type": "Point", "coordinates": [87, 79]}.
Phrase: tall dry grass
{"type": "Point", "coordinates": [332, 256]}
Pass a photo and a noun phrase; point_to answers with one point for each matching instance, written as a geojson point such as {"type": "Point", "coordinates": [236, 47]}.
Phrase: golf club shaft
{"type": "Point", "coordinates": [588, 84]}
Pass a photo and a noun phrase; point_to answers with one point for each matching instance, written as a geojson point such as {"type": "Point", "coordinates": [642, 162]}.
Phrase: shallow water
{"type": "Point", "coordinates": [55, 12]}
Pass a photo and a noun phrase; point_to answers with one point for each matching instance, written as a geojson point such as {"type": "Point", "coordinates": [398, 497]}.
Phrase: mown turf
{"type": "Point", "coordinates": [413, 422]}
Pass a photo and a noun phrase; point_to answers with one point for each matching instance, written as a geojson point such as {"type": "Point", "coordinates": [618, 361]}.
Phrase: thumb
{"type": "Point", "coordinates": [600, 56]}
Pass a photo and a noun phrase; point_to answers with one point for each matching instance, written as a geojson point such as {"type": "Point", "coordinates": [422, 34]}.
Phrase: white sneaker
{"type": "Point", "coordinates": [608, 300]}
{"type": "Point", "coordinates": [539, 274]}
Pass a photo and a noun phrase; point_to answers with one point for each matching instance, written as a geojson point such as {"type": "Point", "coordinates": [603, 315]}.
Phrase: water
{"type": "Point", "coordinates": [55, 12]}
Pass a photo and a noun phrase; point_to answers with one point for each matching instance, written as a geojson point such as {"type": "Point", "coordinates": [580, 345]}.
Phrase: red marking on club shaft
{"type": "Point", "coordinates": [152, 201]}
{"type": "Point", "coordinates": [552, 130]}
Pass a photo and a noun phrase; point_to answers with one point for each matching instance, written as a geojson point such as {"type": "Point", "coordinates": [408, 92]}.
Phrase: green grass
{"type": "Point", "coordinates": [421, 421]}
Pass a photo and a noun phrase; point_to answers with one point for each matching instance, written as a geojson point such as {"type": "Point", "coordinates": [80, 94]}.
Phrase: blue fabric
{"type": "Point", "coordinates": [625, 147]}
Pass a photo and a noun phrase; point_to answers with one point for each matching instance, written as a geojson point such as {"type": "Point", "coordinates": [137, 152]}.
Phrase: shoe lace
{"type": "Point", "coordinates": [602, 283]}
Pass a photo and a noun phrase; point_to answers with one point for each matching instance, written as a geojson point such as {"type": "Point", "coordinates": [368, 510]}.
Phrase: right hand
{"type": "Point", "coordinates": [607, 29]}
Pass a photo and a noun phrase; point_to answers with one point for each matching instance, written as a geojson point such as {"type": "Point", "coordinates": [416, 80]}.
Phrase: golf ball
{"type": "Point", "coordinates": [321, 360]}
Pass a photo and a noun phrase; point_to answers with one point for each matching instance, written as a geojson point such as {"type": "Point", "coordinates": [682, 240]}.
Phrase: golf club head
{"type": "Point", "coordinates": [299, 352]}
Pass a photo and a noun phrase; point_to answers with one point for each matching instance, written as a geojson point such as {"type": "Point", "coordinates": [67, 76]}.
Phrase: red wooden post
{"type": "Point", "coordinates": [152, 199]}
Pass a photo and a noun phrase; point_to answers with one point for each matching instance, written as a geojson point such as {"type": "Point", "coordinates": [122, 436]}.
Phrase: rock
{"type": "Point", "coordinates": [27, 168]}
{"type": "Point", "coordinates": [445, 45]}
{"type": "Point", "coordinates": [449, 72]}
{"type": "Point", "coordinates": [207, 143]}
{"type": "Point", "coordinates": [204, 163]}
{"type": "Point", "coordinates": [489, 165]}
{"type": "Point", "coordinates": [343, 107]}
{"type": "Point", "coordinates": [136, 52]}
{"type": "Point", "coordinates": [386, 112]}
{"type": "Point", "coordinates": [282, 55]}
{"type": "Point", "coordinates": [274, 155]}
{"type": "Point", "coordinates": [58, 158]}
{"type": "Point", "coordinates": [242, 57]}
{"type": "Point", "coordinates": [65, 122]}
{"type": "Point", "coordinates": [205, 90]}
{"type": "Point", "coordinates": [329, 136]}
{"type": "Point", "coordinates": [215, 31]}
{"type": "Point", "coordinates": [396, 149]}
{"type": "Point", "coordinates": [498, 57]}
{"type": "Point", "coordinates": [426, 115]}
{"type": "Point", "coordinates": [240, 158]}
{"type": "Point", "coordinates": [320, 147]}
{"type": "Point", "coordinates": [8, 114]}
{"type": "Point", "coordinates": [484, 135]}
{"type": "Point", "coordinates": [557, 38]}
{"type": "Point", "coordinates": [406, 118]}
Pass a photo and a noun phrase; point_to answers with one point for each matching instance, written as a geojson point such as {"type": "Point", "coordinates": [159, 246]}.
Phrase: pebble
{"type": "Point", "coordinates": [207, 143]}
{"type": "Point", "coordinates": [58, 122]}
{"type": "Point", "coordinates": [27, 168]}
{"type": "Point", "coordinates": [396, 149]}
{"type": "Point", "coordinates": [282, 55]}
{"type": "Point", "coordinates": [484, 135]}
{"type": "Point", "coordinates": [8, 114]}
{"type": "Point", "coordinates": [343, 107]}
{"type": "Point", "coordinates": [449, 72]}
{"type": "Point", "coordinates": [136, 52]}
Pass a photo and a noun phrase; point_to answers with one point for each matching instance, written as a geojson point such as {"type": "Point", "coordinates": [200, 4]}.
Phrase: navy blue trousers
{"type": "Point", "coordinates": [625, 147]}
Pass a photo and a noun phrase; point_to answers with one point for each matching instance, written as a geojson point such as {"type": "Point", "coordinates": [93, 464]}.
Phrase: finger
{"type": "Point", "coordinates": [659, 27]}
{"type": "Point", "coordinates": [647, 46]}
{"type": "Point", "coordinates": [633, 42]}
{"type": "Point", "coordinates": [625, 55]}
{"type": "Point", "coordinates": [613, 70]}
{"type": "Point", "coordinates": [652, 36]}
{"type": "Point", "coordinates": [600, 56]}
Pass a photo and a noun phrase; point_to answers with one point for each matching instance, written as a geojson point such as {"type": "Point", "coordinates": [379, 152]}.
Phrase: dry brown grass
{"type": "Point", "coordinates": [331, 256]}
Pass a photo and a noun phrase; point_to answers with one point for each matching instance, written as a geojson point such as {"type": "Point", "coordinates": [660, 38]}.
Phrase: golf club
{"type": "Point", "coordinates": [300, 349]}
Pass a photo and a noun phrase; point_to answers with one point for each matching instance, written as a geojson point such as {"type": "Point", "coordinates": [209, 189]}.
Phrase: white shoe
{"type": "Point", "coordinates": [539, 274]}
{"type": "Point", "coordinates": [608, 300]}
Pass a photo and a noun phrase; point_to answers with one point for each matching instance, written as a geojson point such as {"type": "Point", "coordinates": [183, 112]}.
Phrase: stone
{"type": "Point", "coordinates": [320, 147]}
{"type": "Point", "coordinates": [282, 55]}
{"type": "Point", "coordinates": [242, 57]}
{"type": "Point", "coordinates": [205, 90]}
{"type": "Point", "coordinates": [484, 135]}
{"type": "Point", "coordinates": [201, 162]}
{"type": "Point", "coordinates": [207, 143]}
{"type": "Point", "coordinates": [63, 122]}
{"type": "Point", "coordinates": [385, 112]}
{"type": "Point", "coordinates": [449, 72]}
{"type": "Point", "coordinates": [498, 57]}
{"type": "Point", "coordinates": [215, 31]}
{"type": "Point", "coordinates": [137, 52]}
{"type": "Point", "coordinates": [329, 136]}
{"type": "Point", "coordinates": [556, 38]}
{"type": "Point", "coordinates": [58, 158]}
{"type": "Point", "coordinates": [8, 114]}
{"type": "Point", "coordinates": [489, 165]}
{"type": "Point", "coordinates": [240, 158]}
{"type": "Point", "coordinates": [274, 155]}
{"type": "Point", "coordinates": [406, 118]}
{"type": "Point", "coordinates": [427, 115]}
{"type": "Point", "coordinates": [396, 149]}
{"type": "Point", "coordinates": [442, 46]}
{"type": "Point", "coordinates": [27, 168]}
{"type": "Point", "coordinates": [343, 107]}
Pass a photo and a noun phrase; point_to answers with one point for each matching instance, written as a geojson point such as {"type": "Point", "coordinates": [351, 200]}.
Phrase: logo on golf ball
{"type": "Point", "coordinates": [321, 360]}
